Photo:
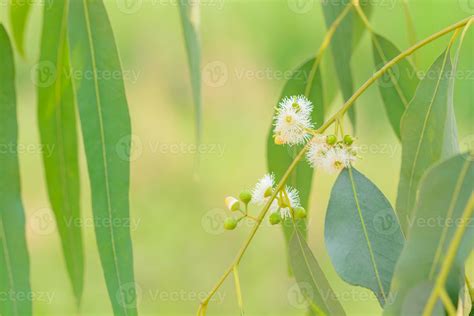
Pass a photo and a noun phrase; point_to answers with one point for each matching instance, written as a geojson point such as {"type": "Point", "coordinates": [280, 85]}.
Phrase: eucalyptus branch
{"type": "Point", "coordinates": [337, 116]}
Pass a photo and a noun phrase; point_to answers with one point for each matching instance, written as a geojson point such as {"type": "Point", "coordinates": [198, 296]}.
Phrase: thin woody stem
{"type": "Point", "coordinates": [327, 124]}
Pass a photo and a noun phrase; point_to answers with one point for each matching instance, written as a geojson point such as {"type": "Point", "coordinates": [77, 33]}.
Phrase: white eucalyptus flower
{"type": "Point", "coordinates": [298, 102]}
{"type": "Point", "coordinates": [263, 189]}
{"type": "Point", "coordinates": [291, 127]}
{"type": "Point", "coordinates": [336, 159]}
{"type": "Point", "coordinates": [317, 151]}
{"type": "Point", "coordinates": [293, 202]}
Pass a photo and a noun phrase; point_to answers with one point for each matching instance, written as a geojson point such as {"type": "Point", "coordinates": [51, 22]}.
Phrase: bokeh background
{"type": "Point", "coordinates": [249, 49]}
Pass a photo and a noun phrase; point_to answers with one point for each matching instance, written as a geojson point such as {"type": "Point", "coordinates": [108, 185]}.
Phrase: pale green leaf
{"type": "Point", "coordinates": [442, 198]}
{"type": "Point", "coordinates": [398, 85]}
{"type": "Point", "coordinates": [311, 279]}
{"type": "Point", "coordinates": [57, 124]}
{"type": "Point", "coordinates": [19, 13]}
{"type": "Point", "coordinates": [106, 130]}
{"type": "Point", "coordinates": [279, 157]}
{"type": "Point", "coordinates": [189, 11]}
{"type": "Point", "coordinates": [422, 131]}
{"type": "Point", "coordinates": [362, 233]}
{"type": "Point", "coordinates": [14, 259]}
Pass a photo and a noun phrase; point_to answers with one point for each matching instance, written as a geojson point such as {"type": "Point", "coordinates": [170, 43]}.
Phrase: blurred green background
{"type": "Point", "coordinates": [249, 48]}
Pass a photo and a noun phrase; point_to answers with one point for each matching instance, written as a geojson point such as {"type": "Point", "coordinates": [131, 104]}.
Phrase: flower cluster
{"type": "Point", "coordinates": [293, 126]}
{"type": "Point", "coordinates": [285, 204]}
{"type": "Point", "coordinates": [331, 154]}
{"type": "Point", "coordinates": [292, 121]}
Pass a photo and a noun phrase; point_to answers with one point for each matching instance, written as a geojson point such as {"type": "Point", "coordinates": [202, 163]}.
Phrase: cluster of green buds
{"type": "Point", "coordinates": [235, 205]}
{"type": "Point", "coordinates": [285, 205]}
{"type": "Point", "coordinates": [332, 154]}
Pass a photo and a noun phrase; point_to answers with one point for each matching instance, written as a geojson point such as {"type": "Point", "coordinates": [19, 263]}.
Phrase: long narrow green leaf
{"type": "Point", "coordinates": [57, 123]}
{"type": "Point", "coordinates": [359, 27]}
{"type": "Point", "coordinates": [411, 31]}
{"type": "Point", "coordinates": [442, 198]}
{"type": "Point", "coordinates": [19, 12]}
{"type": "Point", "coordinates": [362, 233]}
{"type": "Point", "coordinates": [14, 260]}
{"type": "Point", "coordinates": [311, 279]}
{"type": "Point", "coordinates": [342, 46]}
{"type": "Point", "coordinates": [422, 131]}
{"type": "Point", "coordinates": [451, 143]}
{"type": "Point", "coordinates": [106, 129]}
{"type": "Point", "coordinates": [304, 80]}
{"type": "Point", "coordinates": [398, 85]}
{"type": "Point", "coordinates": [189, 11]}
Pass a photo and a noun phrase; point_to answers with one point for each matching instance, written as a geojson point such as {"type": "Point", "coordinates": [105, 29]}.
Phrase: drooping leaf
{"type": "Point", "coordinates": [362, 233]}
{"type": "Point", "coordinates": [106, 129]}
{"type": "Point", "coordinates": [341, 47]}
{"type": "Point", "coordinates": [358, 25]}
{"type": "Point", "coordinates": [422, 131]}
{"type": "Point", "coordinates": [443, 195]}
{"type": "Point", "coordinates": [398, 85]}
{"type": "Point", "coordinates": [451, 142]}
{"type": "Point", "coordinates": [189, 11]}
{"type": "Point", "coordinates": [19, 13]}
{"type": "Point", "coordinates": [14, 259]}
{"type": "Point", "coordinates": [279, 157]}
{"type": "Point", "coordinates": [411, 31]}
{"type": "Point", "coordinates": [57, 124]}
{"type": "Point", "coordinates": [311, 279]}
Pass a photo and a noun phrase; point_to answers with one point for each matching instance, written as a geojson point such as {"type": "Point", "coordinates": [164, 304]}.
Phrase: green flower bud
{"type": "Point", "coordinates": [230, 223]}
{"type": "Point", "coordinates": [245, 197]}
{"type": "Point", "coordinates": [232, 203]}
{"type": "Point", "coordinates": [331, 139]}
{"type": "Point", "coordinates": [300, 213]}
{"type": "Point", "coordinates": [348, 140]}
{"type": "Point", "coordinates": [268, 192]}
{"type": "Point", "coordinates": [275, 218]}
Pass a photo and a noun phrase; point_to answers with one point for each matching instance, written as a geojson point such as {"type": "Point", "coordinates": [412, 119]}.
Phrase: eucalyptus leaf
{"type": "Point", "coordinates": [442, 198]}
{"type": "Point", "coordinates": [189, 11]}
{"type": "Point", "coordinates": [398, 85]}
{"type": "Point", "coordinates": [304, 80]}
{"type": "Point", "coordinates": [423, 132]}
{"type": "Point", "coordinates": [362, 233]}
{"type": "Point", "coordinates": [106, 130]}
{"type": "Point", "coordinates": [19, 13]}
{"type": "Point", "coordinates": [311, 279]}
{"type": "Point", "coordinates": [359, 27]}
{"type": "Point", "coordinates": [57, 125]}
{"type": "Point", "coordinates": [341, 46]}
{"type": "Point", "coordinates": [14, 259]}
